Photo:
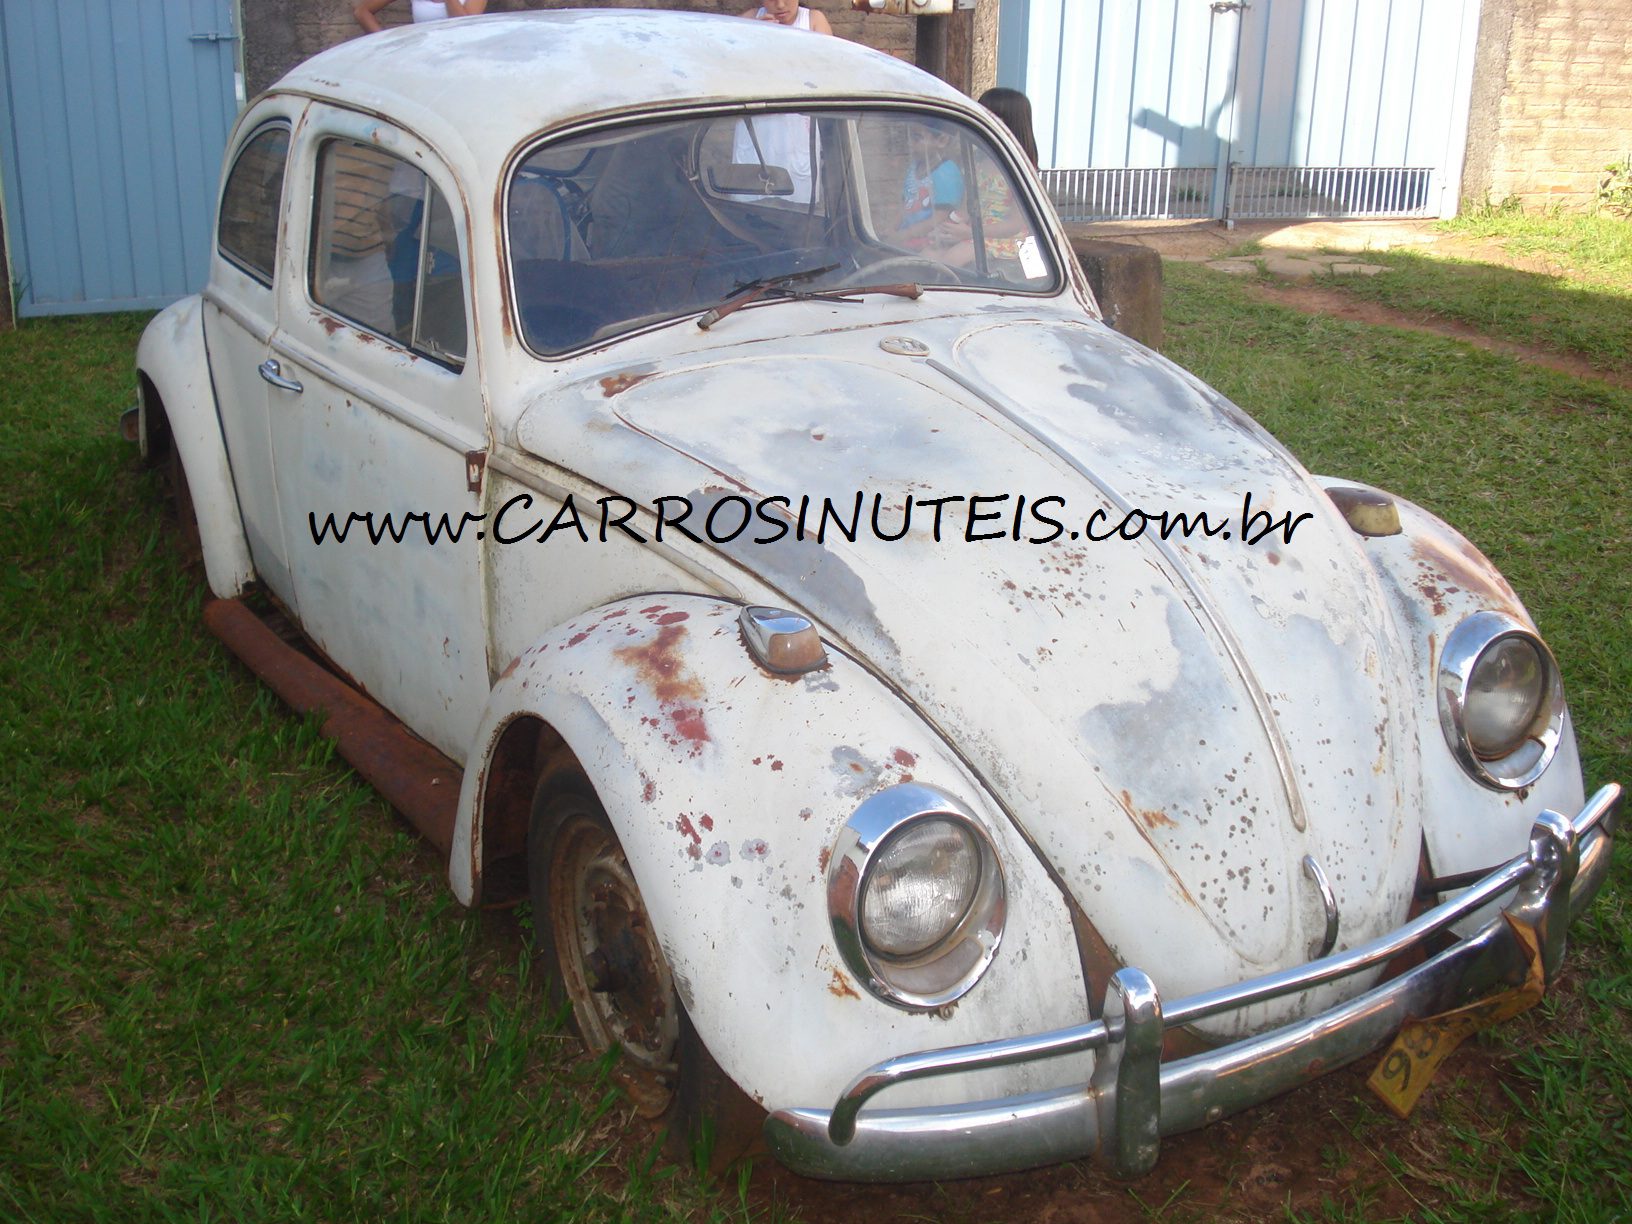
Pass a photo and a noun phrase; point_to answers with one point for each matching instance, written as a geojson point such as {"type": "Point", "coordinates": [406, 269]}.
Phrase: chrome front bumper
{"type": "Point", "coordinates": [1133, 1098]}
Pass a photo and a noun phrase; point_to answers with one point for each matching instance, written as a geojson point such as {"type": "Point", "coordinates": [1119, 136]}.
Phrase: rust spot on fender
{"type": "Point", "coordinates": [1432, 594]}
{"type": "Point", "coordinates": [689, 724]}
{"type": "Point", "coordinates": [672, 618]}
{"type": "Point", "coordinates": [648, 792]}
{"type": "Point", "coordinates": [1453, 568]}
{"type": "Point", "coordinates": [840, 987]}
{"type": "Point", "coordinates": [821, 859]}
{"type": "Point", "coordinates": [510, 668]}
{"type": "Point", "coordinates": [616, 384]}
{"type": "Point", "coordinates": [904, 758]}
{"type": "Point", "coordinates": [683, 823]}
{"type": "Point", "coordinates": [707, 822]}
{"type": "Point", "coordinates": [659, 666]}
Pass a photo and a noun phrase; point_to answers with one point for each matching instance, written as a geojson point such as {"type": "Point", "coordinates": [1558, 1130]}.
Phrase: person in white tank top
{"type": "Point", "coordinates": [782, 140]}
{"type": "Point", "coordinates": [424, 10]}
{"type": "Point", "coordinates": [791, 13]}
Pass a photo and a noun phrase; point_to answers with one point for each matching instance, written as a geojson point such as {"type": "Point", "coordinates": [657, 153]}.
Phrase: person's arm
{"type": "Point", "coordinates": [818, 22]}
{"type": "Point", "coordinates": [364, 12]}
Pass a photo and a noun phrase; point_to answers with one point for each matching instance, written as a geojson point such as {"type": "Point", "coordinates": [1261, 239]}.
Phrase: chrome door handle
{"type": "Point", "coordinates": [273, 373]}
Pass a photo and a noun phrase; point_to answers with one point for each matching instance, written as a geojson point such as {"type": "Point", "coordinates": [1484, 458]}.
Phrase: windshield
{"type": "Point", "coordinates": [617, 229]}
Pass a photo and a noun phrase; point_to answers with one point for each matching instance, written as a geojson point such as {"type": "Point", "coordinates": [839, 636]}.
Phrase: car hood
{"type": "Point", "coordinates": [1175, 725]}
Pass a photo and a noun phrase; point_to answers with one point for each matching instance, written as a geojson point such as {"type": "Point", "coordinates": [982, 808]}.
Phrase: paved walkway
{"type": "Point", "coordinates": [1298, 250]}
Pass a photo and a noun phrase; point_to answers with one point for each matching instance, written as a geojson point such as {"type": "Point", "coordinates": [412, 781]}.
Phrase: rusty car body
{"type": "Point", "coordinates": [923, 719]}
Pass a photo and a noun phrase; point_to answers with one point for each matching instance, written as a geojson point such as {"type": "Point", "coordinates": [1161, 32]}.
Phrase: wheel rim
{"type": "Point", "coordinates": [611, 965]}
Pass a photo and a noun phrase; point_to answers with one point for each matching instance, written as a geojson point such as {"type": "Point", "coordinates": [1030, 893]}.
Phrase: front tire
{"type": "Point", "coordinates": [604, 964]}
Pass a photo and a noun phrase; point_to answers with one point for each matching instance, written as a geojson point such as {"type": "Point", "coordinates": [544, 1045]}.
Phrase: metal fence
{"type": "Point", "coordinates": [1130, 195]}
{"type": "Point", "coordinates": [1328, 191]}
{"type": "Point", "coordinates": [1252, 192]}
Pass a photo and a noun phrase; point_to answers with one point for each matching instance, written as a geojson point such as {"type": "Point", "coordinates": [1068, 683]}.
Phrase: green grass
{"type": "Point", "coordinates": [1579, 304]}
{"type": "Point", "coordinates": [1595, 249]}
{"type": "Point", "coordinates": [232, 986]}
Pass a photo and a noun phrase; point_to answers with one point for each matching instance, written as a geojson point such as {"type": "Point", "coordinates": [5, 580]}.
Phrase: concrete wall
{"type": "Point", "coordinates": [1552, 100]}
{"type": "Point", "coordinates": [278, 34]}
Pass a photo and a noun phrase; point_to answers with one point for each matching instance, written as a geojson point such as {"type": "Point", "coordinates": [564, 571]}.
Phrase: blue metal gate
{"type": "Point", "coordinates": [113, 117]}
{"type": "Point", "coordinates": [1270, 108]}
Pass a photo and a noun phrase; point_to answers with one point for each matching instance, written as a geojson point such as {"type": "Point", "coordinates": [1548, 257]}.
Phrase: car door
{"type": "Point", "coordinates": [382, 405]}
{"type": "Point", "coordinates": [239, 319]}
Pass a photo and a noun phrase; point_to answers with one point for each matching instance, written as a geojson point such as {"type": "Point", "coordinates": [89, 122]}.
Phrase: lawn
{"type": "Point", "coordinates": [1570, 292]}
{"type": "Point", "coordinates": [233, 986]}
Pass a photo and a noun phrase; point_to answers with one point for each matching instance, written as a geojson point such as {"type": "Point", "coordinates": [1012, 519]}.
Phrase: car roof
{"type": "Point", "coordinates": [492, 81]}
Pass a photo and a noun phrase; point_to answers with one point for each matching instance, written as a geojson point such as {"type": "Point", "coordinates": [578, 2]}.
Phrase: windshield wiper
{"type": "Point", "coordinates": [750, 292]}
{"type": "Point", "coordinates": [906, 289]}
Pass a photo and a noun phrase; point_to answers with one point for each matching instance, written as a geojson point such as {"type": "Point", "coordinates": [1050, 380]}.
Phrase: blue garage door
{"type": "Point", "coordinates": [1272, 108]}
{"type": "Point", "coordinates": [113, 114]}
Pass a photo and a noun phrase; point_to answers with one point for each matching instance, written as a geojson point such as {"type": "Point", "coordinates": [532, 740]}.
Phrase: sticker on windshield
{"type": "Point", "coordinates": [1031, 259]}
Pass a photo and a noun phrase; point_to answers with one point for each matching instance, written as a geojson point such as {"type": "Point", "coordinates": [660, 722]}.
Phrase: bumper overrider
{"type": "Point", "coordinates": [1133, 1098]}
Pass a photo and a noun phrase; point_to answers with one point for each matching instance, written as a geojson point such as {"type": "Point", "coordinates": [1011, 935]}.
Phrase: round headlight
{"type": "Point", "coordinates": [916, 897]}
{"type": "Point", "coordinates": [1505, 691]}
{"type": "Point", "coordinates": [1500, 700]}
{"type": "Point", "coordinates": [921, 885]}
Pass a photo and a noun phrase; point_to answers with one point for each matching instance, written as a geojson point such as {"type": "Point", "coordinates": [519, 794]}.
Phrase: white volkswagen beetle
{"type": "Point", "coordinates": [931, 728]}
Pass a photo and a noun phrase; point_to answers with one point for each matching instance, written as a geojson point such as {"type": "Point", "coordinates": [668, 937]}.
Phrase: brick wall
{"type": "Point", "coordinates": [278, 34]}
{"type": "Point", "coordinates": [1552, 100]}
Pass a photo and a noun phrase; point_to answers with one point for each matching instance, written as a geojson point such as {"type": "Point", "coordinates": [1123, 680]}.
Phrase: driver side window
{"type": "Point", "coordinates": [385, 251]}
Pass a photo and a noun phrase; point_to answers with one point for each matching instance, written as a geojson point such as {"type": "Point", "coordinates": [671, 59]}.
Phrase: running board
{"type": "Point", "coordinates": [412, 776]}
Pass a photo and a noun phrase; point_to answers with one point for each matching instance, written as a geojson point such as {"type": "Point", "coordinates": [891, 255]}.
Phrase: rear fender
{"type": "Point", "coordinates": [727, 787]}
{"type": "Point", "coordinates": [174, 367]}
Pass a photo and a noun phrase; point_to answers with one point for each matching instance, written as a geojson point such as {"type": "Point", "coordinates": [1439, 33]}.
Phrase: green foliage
{"type": "Point", "coordinates": [1615, 189]}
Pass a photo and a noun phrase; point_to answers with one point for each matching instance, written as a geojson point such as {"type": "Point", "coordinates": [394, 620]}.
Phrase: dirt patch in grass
{"type": "Point", "coordinates": [1314, 299]}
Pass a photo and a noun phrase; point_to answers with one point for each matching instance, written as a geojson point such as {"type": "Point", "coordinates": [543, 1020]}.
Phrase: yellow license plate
{"type": "Point", "coordinates": [1421, 1045]}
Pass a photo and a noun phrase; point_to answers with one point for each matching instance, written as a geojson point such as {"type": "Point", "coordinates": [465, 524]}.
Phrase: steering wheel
{"type": "Point", "coordinates": [890, 267]}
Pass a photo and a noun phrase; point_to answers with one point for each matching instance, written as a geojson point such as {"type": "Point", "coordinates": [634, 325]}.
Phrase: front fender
{"type": "Point", "coordinates": [173, 361]}
{"type": "Point", "coordinates": [727, 787]}
{"type": "Point", "coordinates": [1435, 579]}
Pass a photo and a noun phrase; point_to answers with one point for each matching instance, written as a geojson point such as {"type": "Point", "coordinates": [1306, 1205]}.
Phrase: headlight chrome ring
{"type": "Point", "coordinates": [1501, 702]}
{"type": "Point", "coordinates": [916, 896]}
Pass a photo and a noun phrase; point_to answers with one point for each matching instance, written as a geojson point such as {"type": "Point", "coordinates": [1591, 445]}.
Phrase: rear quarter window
{"type": "Point", "coordinates": [247, 232]}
